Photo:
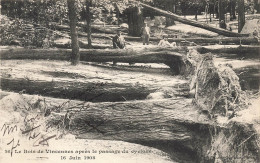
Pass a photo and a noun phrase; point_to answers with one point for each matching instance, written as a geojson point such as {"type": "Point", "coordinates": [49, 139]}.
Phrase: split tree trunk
{"type": "Point", "coordinates": [194, 23]}
{"type": "Point", "coordinates": [135, 21]}
{"type": "Point", "coordinates": [241, 15]}
{"type": "Point", "coordinates": [73, 32]}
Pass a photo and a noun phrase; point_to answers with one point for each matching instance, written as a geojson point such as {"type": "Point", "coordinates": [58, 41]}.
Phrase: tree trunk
{"type": "Point", "coordinates": [196, 15]}
{"type": "Point", "coordinates": [241, 15]}
{"type": "Point", "coordinates": [156, 121]}
{"type": "Point", "coordinates": [167, 120]}
{"type": "Point", "coordinates": [83, 45]}
{"type": "Point", "coordinates": [169, 56]}
{"type": "Point", "coordinates": [108, 29]}
{"type": "Point", "coordinates": [170, 7]}
{"type": "Point", "coordinates": [257, 6]}
{"type": "Point", "coordinates": [117, 12]}
{"type": "Point", "coordinates": [241, 50]}
{"type": "Point", "coordinates": [221, 10]}
{"type": "Point", "coordinates": [216, 9]}
{"type": "Point", "coordinates": [73, 32]}
{"type": "Point", "coordinates": [88, 16]}
{"type": "Point", "coordinates": [135, 21]}
{"type": "Point", "coordinates": [223, 41]}
{"type": "Point", "coordinates": [232, 10]}
{"type": "Point", "coordinates": [194, 23]}
{"type": "Point", "coordinates": [76, 90]}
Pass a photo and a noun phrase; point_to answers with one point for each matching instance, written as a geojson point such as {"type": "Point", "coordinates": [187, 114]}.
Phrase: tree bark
{"type": "Point", "coordinates": [88, 17]}
{"type": "Point", "coordinates": [135, 21]}
{"type": "Point", "coordinates": [227, 40]}
{"type": "Point", "coordinates": [117, 12]}
{"type": "Point", "coordinates": [83, 45]}
{"type": "Point", "coordinates": [257, 6]}
{"type": "Point", "coordinates": [168, 56]}
{"type": "Point", "coordinates": [76, 90]}
{"type": "Point", "coordinates": [194, 23]}
{"type": "Point", "coordinates": [221, 10]}
{"type": "Point", "coordinates": [216, 9]}
{"type": "Point", "coordinates": [241, 50]}
{"type": "Point", "coordinates": [73, 32]}
{"type": "Point", "coordinates": [166, 120]}
{"type": "Point", "coordinates": [232, 10]}
{"type": "Point", "coordinates": [170, 7]}
{"type": "Point", "coordinates": [171, 120]}
{"type": "Point", "coordinates": [241, 15]}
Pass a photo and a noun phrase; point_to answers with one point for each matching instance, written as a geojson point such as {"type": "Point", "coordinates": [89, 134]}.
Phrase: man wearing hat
{"type": "Point", "coordinates": [145, 34]}
{"type": "Point", "coordinates": [118, 41]}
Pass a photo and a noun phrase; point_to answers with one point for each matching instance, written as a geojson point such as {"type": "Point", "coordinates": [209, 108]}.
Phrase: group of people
{"type": "Point", "coordinates": [119, 42]}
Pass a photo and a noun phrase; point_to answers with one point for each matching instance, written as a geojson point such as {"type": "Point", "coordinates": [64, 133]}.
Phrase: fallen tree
{"type": "Point", "coordinates": [193, 23]}
{"type": "Point", "coordinates": [168, 56]}
{"type": "Point", "coordinates": [237, 49]}
{"type": "Point", "coordinates": [94, 28]}
{"type": "Point", "coordinates": [171, 120]}
{"type": "Point", "coordinates": [85, 91]}
{"type": "Point", "coordinates": [229, 40]}
{"type": "Point", "coordinates": [82, 44]}
{"type": "Point", "coordinates": [83, 34]}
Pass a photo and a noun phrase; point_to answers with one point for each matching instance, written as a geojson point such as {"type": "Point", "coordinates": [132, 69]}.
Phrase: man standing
{"type": "Point", "coordinates": [145, 34]}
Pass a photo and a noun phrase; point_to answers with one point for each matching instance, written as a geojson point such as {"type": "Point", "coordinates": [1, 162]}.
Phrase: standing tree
{"type": "Point", "coordinates": [73, 32]}
{"type": "Point", "coordinates": [135, 20]}
{"type": "Point", "coordinates": [233, 9]}
{"type": "Point", "coordinates": [221, 11]}
{"type": "Point", "coordinates": [88, 19]}
{"type": "Point", "coordinates": [170, 6]}
{"type": "Point", "coordinates": [241, 15]}
{"type": "Point", "coordinates": [257, 6]}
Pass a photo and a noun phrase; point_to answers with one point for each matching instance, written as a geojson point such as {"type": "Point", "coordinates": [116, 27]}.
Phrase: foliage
{"type": "Point", "coordinates": [39, 12]}
{"type": "Point", "coordinates": [19, 32]}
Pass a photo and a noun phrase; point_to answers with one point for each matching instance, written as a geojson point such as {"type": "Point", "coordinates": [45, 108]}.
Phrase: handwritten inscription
{"type": "Point", "coordinates": [8, 129]}
{"type": "Point", "coordinates": [31, 132]}
{"type": "Point", "coordinates": [13, 145]}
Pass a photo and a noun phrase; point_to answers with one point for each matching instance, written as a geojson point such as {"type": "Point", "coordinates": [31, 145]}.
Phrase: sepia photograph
{"type": "Point", "coordinates": [129, 81]}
